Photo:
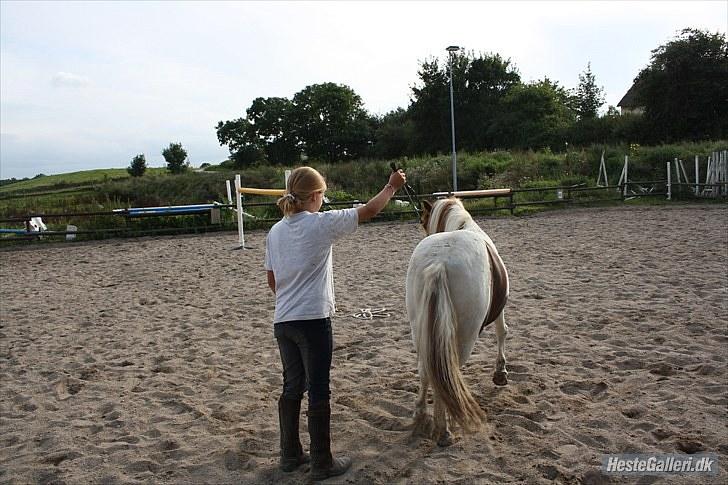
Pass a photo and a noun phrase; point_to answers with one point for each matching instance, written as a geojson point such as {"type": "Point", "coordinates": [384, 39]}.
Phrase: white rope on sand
{"type": "Point", "coordinates": [371, 313]}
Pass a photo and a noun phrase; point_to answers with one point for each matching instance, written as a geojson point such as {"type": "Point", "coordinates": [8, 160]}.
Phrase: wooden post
{"type": "Point", "coordinates": [215, 215]}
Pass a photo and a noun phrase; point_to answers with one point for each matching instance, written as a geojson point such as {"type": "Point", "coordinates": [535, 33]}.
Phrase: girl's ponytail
{"type": "Point", "coordinates": [288, 204]}
{"type": "Point", "coordinates": [302, 183]}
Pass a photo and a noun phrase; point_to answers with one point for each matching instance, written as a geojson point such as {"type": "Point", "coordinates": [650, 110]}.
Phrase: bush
{"type": "Point", "coordinates": [187, 188]}
{"type": "Point", "coordinates": [138, 166]}
{"type": "Point", "coordinates": [364, 177]}
{"type": "Point", "coordinates": [176, 157]}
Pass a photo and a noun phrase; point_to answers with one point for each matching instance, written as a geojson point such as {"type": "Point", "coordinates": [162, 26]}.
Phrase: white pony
{"type": "Point", "coordinates": [456, 285]}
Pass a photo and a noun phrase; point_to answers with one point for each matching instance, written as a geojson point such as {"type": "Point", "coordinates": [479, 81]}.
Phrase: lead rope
{"type": "Point", "coordinates": [371, 313]}
{"type": "Point", "coordinates": [409, 191]}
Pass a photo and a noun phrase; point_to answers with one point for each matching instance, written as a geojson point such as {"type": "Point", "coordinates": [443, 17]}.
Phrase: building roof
{"type": "Point", "coordinates": [629, 100]}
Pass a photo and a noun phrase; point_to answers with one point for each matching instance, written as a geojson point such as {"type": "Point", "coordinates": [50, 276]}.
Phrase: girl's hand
{"type": "Point", "coordinates": [397, 179]}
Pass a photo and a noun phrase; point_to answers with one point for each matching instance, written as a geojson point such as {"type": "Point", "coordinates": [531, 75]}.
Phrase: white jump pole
{"type": "Point", "coordinates": [708, 169]}
{"type": "Point", "coordinates": [721, 173]}
{"type": "Point", "coordinates": [723, 170]}
{"type": "Point", "coordinates": [285, 178]}
{"type": "Point", "coordinates": [669, 184]}
{"type": "Point", "coordinates": [229, 193]}
{"type": "Point", "coordinates": [626, 170]}
{"type": "Point", "coordinates": [239, 201]}
{"type": "Point", "coordinates": [697, 176]}
{"type": "Point", "coordinates": [684, 173]}
{"type": "Point", "coordinates": [677, 172]}
{"type": "Point", "coordinates": [602, 172]}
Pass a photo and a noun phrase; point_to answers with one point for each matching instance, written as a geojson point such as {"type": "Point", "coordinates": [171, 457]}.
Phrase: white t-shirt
{"type": "Point", "coordinates": [298, 251]}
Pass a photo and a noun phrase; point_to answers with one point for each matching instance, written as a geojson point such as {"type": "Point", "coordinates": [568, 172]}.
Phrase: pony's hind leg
{"type": "Point", "coordinates": [442, 433]}
{"type": "Point", "coordinates": [421, 401]}
{"type": "Point", "coordinates": [422, 424]}
{"type": "Point", "coordinates": [500, 376]}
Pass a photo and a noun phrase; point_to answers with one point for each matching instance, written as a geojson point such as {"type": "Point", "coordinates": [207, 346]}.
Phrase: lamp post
{"type": "Point", "coordinates": [451, 50]}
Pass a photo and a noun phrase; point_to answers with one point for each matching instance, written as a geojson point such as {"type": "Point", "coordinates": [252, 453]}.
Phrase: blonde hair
{"type": "Point", "coordinates": [302, 182]}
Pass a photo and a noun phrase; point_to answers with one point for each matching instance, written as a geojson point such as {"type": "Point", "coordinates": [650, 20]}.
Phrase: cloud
{"type": "Point", "coordinates": [67, 79]}
{"type": "Point", "coordinates": [93, 84]}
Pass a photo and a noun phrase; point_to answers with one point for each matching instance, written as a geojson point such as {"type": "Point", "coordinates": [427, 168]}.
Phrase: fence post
{"type": "Point", "coordinates": [510, 201]}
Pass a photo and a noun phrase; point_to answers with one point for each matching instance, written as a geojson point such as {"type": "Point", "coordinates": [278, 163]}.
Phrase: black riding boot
{"type": "Point", "coordinates": [292, 455]}
{"type": "Point", "coordinates": [323, 464]}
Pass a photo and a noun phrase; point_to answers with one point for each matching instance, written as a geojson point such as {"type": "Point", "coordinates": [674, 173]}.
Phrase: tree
{"type": "Point", "coordinates": [394, 135]}
{"type": "Point", "coordinates": [236, 134]}
{"type": "Point", "coordinates": [430, 108]}
{"type": "Point", "coordinates": [684, 89]}
{"type": "Point", "coordinates": [480, 83]}
{"type": "Point", "coordinates": [232, 133]}
{"type": "Point", "coordinates": [533, 115]}
{"type": "Point", "coordinates": [588, 96]}
{"type": "Point", "coordinates": [265, 134]}
{"type": "Point", "coordinates": [175, 156]}
{"type": "Point", "coordinates": [270, 129]}
{"type": "Point", "coordinates": [330, 122]}
{"type": "Point", "coordinates": [327, 121]}
{"type": "Point", "coordinates": [488, 80]}
{"type": "Point", "coordinates": [138, 166]}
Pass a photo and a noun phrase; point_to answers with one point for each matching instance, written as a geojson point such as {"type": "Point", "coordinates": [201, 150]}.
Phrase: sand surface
{"type": "Point", "coordinates": [153, 360]}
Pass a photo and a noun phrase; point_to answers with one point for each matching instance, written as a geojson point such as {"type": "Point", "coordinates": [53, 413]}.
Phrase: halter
{"type": "Point", "coordinates": [409, 191]}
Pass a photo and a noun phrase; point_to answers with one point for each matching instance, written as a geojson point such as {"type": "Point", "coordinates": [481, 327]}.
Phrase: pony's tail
{"type": "Point", "coordinates": [439, 352]}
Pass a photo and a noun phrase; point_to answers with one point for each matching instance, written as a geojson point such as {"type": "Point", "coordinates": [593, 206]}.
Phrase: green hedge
{"type": "Point", "coordinates": [348, 180]}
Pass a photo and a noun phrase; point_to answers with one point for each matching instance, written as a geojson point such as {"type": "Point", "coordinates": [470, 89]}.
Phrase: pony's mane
{"type": "Point", "coordinates": [447, 215]}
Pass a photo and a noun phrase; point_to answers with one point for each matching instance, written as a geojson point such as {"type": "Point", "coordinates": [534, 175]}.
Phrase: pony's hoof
{"type": "Point", "coordinates": [500, 378]}
{"type": "Point", "coordinates": [445, 440]}
{"type": "Point", "coordinates": [422, 425]}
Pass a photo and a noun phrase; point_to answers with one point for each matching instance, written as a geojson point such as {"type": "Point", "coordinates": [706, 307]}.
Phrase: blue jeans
{"type": "Point", "coordinates": [306, 347]}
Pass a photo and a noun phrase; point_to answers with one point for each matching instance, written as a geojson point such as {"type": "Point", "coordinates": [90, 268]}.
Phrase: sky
{"type": "Point", "coordinates": [88, 85]}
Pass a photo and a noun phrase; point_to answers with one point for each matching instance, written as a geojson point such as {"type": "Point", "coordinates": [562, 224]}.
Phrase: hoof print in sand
{"type": "Point", "coordinates": [67, 387]}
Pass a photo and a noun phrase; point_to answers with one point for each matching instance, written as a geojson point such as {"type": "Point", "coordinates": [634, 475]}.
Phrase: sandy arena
{"type": "Point", "coordinates": [153, 360]}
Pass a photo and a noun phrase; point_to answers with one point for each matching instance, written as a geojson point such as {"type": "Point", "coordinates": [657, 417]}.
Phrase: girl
{"type": "Point", "coordinates": [300, 274]}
